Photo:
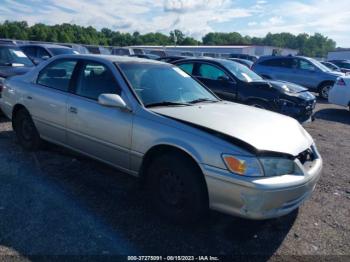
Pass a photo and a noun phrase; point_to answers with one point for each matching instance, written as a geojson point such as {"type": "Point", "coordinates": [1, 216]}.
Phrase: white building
{"type": "Point", "coordinates": [340, 54]}
{"type": "Point", "coordinates": [252, 50]}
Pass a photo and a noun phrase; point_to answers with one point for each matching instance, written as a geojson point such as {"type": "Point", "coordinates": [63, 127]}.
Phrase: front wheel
{"type": "Point", "coordinates": [177, 188]}
{"type": "Point", "coordinates": [324, 90]}
{"type": "Point", "coordinates": [26, 132]}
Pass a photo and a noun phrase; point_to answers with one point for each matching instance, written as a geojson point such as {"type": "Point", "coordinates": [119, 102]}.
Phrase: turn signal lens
{"type": "Point", "coordinates": [235, 165]}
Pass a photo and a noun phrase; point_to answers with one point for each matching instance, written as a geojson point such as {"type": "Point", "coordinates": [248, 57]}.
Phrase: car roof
{"type": "Point", "coordinates": [46, 45]}
{"type": "Point", "coordinates": [113, 58]}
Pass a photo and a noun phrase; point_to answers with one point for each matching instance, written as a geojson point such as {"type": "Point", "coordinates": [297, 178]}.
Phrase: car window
{"type": "Point", "coordinates": [42, 53]}
{"type": "Point", "coordinates": [188, 68]}
{"type": "Point", "coordinates": [95, 79]}
{"type": "Point", "coordinates": [240, 71]}
{"type": "Point", "coordinates": [13, 55]}
{"type": "Point", "coordinates": [306, 65]}
{"type": "Point", "coordinates": [62, 51]}
{"type": "Point", "coordinates": [29, 51]}
{"type": "Point", "coordinates": [57, 75]}
{"type": "Point", "coordinates": [344, 65]}
{"type": "Point", "coordinates": [156, 83]}
{"type": "Point", "coordinates": [278, 62]}
{"type": "Point", "coordinates": [211, 72]}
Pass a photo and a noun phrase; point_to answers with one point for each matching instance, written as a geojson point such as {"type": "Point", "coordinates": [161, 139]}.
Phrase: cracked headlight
{"type": "Point", "coordinates": [274, 166]}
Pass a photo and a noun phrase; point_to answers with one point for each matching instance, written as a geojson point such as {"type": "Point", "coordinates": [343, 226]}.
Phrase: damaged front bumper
{"type": "Point", "coordinates": [260, 198]}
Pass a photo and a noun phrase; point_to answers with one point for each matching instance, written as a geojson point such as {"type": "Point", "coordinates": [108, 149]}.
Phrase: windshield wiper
{"type": "Point", "coordinates": [200, 100]}
{"type": "Point", "coordinates": [167, 103]}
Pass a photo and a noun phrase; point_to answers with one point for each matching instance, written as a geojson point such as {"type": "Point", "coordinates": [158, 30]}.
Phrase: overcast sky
{"type": "Point", "coordinates": [194, 17]}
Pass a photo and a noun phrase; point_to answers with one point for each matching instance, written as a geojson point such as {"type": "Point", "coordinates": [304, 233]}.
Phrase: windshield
{"type": "Point", "coordinates": [12, 55]}
{"type": "Point", "coordinates": [61, 51]}
{"type": "Point", "coordinates": [155, 83]}
{"type": "Point", "coordinates": [320, 66]}
{"type": "Point", "coordinates": [241, 72]}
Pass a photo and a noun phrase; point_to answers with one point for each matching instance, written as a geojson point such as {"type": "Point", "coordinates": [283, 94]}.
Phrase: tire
{"type": "Point", "coordinates": [177, 188]}
{"type": "Point", "coordinates": [324, 90]}
{"type": "Point", "coordinates": [26, 132]}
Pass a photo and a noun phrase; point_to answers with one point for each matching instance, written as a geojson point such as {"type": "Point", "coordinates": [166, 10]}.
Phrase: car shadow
{"type": "Point", "coordinates": [58, 202]}
{"type": "Point", "coordinates": [334, 115]}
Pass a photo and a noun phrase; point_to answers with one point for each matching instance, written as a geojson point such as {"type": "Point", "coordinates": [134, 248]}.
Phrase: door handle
{"type": "Point", "coordinates": [29, 97]}
{"type": "Point", "coordinates": [73, 110]}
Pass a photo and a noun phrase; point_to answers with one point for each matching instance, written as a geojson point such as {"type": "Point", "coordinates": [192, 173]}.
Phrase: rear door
{"type": "Point", "coordinates": [47, 99]}
{"type": "Point", "coordinates": [216, 79]}
{"type": "Point", "coordinates": [100, 131]}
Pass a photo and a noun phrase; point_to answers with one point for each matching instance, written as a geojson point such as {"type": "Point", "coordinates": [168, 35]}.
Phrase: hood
{"type": "Point", "coordinates": [261, 129]}
{"type": "Point", "coordinates": [8, 71]}
{"type": "Point", "coordinates": [335, 73]}
{"type": "Point", "coordinates": [284, 86]}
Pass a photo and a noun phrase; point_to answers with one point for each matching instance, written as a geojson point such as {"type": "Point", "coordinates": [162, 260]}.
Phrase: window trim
{"type": "Point", "coordinates": [54, 62]}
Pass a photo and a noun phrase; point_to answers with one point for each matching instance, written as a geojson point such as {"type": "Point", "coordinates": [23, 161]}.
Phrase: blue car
{"type": "Point", "coordinates": [300, 70]}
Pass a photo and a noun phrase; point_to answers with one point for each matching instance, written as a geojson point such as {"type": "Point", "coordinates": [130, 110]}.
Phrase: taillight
{"type": "Point", "coordinates": [340, 82]}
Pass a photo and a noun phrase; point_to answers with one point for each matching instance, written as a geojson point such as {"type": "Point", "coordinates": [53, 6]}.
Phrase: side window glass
{"type": "Point", "coordinates": [96, 79]}
{"type": "Point", "coordinates": [211, 72]}
{"type": "Point", "coordinates": [57, 75]}
{"type": "Point", "coordinates": [306, 65]}
{"type": "Point", "coordinates": [29, 51]}
{"type": "Point", "coordinates": [42, 53]}
{"type": "Point", "coordinates": [188, 68]}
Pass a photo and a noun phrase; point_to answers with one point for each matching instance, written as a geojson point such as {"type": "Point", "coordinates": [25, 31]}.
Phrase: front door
{"type": "Point", "coordinates": [100, 131]}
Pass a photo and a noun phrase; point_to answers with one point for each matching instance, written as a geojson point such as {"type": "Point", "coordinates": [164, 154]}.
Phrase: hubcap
{"type": "Point", "coordinates": [325, 91]}
{"type": "Point", "coordinates": [171, 188]}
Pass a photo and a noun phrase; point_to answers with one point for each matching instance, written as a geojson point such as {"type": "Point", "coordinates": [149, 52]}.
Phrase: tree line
{"type": "Point", "coordinates": [316, 45]}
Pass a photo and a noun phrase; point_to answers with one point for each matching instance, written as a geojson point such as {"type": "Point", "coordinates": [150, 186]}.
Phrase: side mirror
{"type": "Point", "coordinates": [112, 100]}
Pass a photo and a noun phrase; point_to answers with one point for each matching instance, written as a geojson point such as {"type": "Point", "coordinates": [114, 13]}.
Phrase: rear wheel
{"type": "Point", "coordinates": [177, 188]}
{"type": "Point", "coordinates": [324, 90]}
{"type": "Point", "coordinates": [25, 130]}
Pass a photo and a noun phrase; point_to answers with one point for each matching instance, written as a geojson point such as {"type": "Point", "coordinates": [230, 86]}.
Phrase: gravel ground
{"type": "Point", "coordinates": [55, 202]}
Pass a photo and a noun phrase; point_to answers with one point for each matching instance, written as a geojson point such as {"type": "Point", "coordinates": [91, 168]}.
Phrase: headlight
{"type": "Point", "coordinates": [274, 166]}
{"type": "Point", "coordinates": [243, 166]}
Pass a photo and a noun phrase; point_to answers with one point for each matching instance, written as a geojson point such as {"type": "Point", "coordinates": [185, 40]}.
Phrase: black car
{"type": "Point", "coordinates": [344, 65]}
{"type": "Point", "coordinates": [235, 82]}
{"type": "Point", "coordinates": [12, 62]}
{"type": "Point", "coordinates": [41, 52]}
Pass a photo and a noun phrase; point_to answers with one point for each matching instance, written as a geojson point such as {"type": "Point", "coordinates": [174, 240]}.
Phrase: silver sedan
{"type": "Point", "coordinates": [190, 149]}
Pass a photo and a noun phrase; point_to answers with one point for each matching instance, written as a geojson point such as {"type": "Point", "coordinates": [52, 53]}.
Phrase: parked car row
{"type": "Point", "coordinates": [191, 150]}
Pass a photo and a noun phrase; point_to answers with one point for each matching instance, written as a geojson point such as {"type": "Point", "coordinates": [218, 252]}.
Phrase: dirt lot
{"type": "Point", "coordinates": [55, 202]}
